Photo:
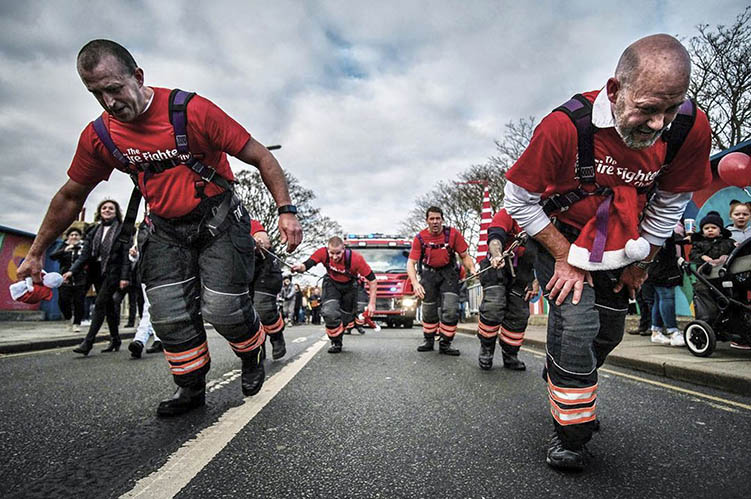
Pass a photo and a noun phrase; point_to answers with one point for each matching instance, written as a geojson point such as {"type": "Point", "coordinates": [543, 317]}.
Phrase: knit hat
{"type": "Point", "coordinates": [611, 239]}
{"type": "Point", "coordinates": [713, 218]}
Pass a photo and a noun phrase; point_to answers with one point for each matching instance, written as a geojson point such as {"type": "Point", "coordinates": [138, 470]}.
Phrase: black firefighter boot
{"type": "Point", "coordinates": [253, 373]}
{"type": "Point", "coordinates": [185, 398]}
{"type": "Point", "coordinates": [511, 361]}
{"type": "Point", "coordinates": [444, 347]}
{"type": "Point", "coordinates": [487, 350]}
{"type": "Point", "coordinates": [427, 345]}
{"type": "Point", "coordinates": [278, 346]}
{"type": "Point", "coordinates": [336, 345]}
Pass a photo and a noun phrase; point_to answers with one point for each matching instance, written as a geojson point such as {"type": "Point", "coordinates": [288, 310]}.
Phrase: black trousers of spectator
{"type": "Point", "coordinates": [71, 301]}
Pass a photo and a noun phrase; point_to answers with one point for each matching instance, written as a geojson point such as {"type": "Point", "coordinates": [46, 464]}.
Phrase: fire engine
{"type": "Point", "coordinates": [387, 255]}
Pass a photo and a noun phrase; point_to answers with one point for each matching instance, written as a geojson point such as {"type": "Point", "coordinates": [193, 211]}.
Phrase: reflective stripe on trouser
{"type": "Point", "coordinates": [188, 361]}
{"type": "Point", "coordinates": [429, 328]}
{"type": "Point", "coordinates": [208, 281]}
{"type": "Point", "coordinates": [334, 332]}
{"type": "Point", "coordinates": [338, 300]}
{"type": "Point", "coordinates": [579, 338]}
{"type": "Point", "coordinates": [487, 331]}
{"type": "Point", "coordinates": [265, 305]}
{"type": "Point", "coordinates": [447, 331]}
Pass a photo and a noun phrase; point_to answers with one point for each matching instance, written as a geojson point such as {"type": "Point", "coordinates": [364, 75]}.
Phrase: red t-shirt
{"type": "Point", "coordinates": [436, 256]}
{"type": "Point", "coordinates": [256, 226]}
{"type": "Point", "coordinates": [212, 135]}
{"type": "Point", "coordinates": [502, 220]}
{"type": "Point", "coordinates": [338, 270]}
{"type": "Point", "coordinates": [547, 165]}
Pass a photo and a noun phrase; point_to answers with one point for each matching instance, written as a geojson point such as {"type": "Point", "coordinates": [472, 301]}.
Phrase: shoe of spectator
{"type": "Point", "coordinates": [636, 331]}
{"type": "Point", "coordinates": [676, 339]}
{"type": "Point", "coordinates": [659, 338]}
{"type": "Point", "coordinates": [76, 328]}
{"type": "Point", "coordinates": [739, 346]}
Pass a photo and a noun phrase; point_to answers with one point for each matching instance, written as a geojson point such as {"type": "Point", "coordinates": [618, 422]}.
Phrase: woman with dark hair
{"type": "Point", "coordinates": [72, 293]}
{"type": "Point", "coordinates": [110, 268]}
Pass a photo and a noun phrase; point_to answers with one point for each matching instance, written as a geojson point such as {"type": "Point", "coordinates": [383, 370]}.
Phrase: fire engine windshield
{"type": "Point", "coordinates": [386, 260]}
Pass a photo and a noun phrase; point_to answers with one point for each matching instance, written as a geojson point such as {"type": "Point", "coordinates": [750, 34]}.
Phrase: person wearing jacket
{"type": "Point", "coordinates": [664, 275]}
{"type": "Point", "coordinates": [72, 294]}
{"type": "Point", "coordinates": [102, 247]}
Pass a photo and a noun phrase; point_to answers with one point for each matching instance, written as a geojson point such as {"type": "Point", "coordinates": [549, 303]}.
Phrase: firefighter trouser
{"type": "Point", "coordinates": [190, 277]}
{"type": "Point", "coordinates": [441, 290]}
{"type": "Point", "coordinates": [579, 339]}
{"type": "Point", "coordinates": [338, 301]}
{"type": "Point", "coordinates": [267, 283]}
{"type": "Point", "coordinates": [362, 302]}
{"type": "Point", "coordinates": [503, 311]}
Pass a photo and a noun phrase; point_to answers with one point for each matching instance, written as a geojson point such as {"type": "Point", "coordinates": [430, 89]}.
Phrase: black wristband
{"type": "Point", "coordinates": [287, 208]}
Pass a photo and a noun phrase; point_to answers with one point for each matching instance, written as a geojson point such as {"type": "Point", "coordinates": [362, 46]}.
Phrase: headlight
{"type": "Point", "coordinates": [408, 302]}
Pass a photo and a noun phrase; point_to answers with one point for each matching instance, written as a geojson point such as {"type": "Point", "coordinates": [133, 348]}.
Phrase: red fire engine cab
{"type": "Point", "coordinates": [387, 255]}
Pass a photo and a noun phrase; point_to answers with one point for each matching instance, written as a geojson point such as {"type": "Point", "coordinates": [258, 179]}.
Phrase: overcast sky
{"type": "Point", "coordinates": [372, 101]}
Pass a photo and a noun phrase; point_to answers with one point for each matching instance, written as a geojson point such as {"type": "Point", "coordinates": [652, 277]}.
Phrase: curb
{"type": "Point", "coordinates": [723, 381]}
{"type": "Point", "coordinates": [63, 341]}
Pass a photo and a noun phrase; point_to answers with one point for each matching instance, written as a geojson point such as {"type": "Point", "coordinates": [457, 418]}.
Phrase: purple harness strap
{"type": "Point", "coordinates": [106, 139]}
{"type": "Point", "coordinates": [601, 230]}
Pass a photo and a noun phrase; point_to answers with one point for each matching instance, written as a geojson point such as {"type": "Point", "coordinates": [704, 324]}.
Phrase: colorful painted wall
{"type": "Point", "coordinates": [14, 244]}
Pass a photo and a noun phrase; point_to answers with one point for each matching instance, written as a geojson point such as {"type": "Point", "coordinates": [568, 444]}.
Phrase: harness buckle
{"type": "Point", "coordinates": [181, 140]}
{"type": "Point", "coordinates": [200, 185]}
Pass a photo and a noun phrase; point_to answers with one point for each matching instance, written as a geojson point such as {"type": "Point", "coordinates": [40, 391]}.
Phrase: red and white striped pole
{"type": "Point", "coordinates": [486, 218]}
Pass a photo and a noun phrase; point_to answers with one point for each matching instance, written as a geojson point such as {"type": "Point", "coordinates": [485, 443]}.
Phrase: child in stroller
{"type": "Point", "coordinates": [722, 298]}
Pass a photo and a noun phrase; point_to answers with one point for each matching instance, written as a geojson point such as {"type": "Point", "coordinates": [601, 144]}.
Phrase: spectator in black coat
{"type": "Point", "coordinates": [102, 246]}
{"type": "Point", "coordinates": [72, 294]}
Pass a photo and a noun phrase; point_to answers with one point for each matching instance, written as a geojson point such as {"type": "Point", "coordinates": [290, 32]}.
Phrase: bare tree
{"type": "Point", "coordinates": [317, 229]}
{"type": "Point", "coordinates": [721, 78]}
{"type": "Point", "coordinates": [460, 200]}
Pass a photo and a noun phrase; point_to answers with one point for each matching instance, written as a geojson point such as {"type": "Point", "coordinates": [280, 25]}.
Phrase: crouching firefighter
{"type": "Point", "coordinates": [198, 252]}
{"type": "Point", "coordinates": [265, 286]}
{"type": "Point", "coordinates": [506, 291]}
{"type": "Point", "coordinates": [344, 266]}
{"type": "Point", "coordinates": [434, 251]}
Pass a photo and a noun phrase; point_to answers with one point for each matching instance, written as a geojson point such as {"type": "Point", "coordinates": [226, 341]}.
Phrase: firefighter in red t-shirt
{"type": "Point", "coordinates": [434, 253]}
{"type": "Point", "coordinates": [198, 253]}
{"type": "Point", "coordinates": [504, 310]}
{"type": "Point", "coordinates": [344, 266]}
{"type": "Point", "coordinates": [265, 286]}
{"type": "Point", "coordinates": [580, 190]}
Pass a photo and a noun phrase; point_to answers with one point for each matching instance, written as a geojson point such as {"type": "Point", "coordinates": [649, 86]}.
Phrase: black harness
{"type": "Point", "coordinates": [445, 244]}
{"type": "Point", "coordinates": [579, 110]}
{"type": "Point", "coordinates": [347, 264]}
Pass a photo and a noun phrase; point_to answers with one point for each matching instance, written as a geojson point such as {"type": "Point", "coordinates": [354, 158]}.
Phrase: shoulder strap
{"type": "Point", "coordinates": [178, 116]}
{"type": "Point", "coordinates": [126, 230]}
{"type": "Point", "coordinates": [579, 110]}
{"type": "Point", "coordinates": [446, 239]}
{"type": "Point", "coordinates": [679, 129]}
{"type": "Point", "coordinates": [348, 261]}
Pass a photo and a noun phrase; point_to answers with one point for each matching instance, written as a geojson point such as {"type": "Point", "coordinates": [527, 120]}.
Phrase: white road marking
{"type": "Point", "coordinates": [194, 455]}
{"type": "Point", "coordinates": [301, 339]}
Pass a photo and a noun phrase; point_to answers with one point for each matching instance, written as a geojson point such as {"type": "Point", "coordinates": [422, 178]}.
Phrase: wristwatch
{"type": "Point", "coordinates": [643, 264]}
{"type": "Point", "coordinates": [287, 208]}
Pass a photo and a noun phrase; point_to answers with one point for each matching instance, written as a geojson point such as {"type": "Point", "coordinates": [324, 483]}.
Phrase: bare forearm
{"type": "Point", "coordinates": [274, 179]}
{"type": "Point", "coordinates": [554, 242]}
{"type": "Point", "coordinates": [63, 210]}
{"type": "Point", "coordinates": [411, 272]}
{"type": "Point", "coordinates": [372, 291]}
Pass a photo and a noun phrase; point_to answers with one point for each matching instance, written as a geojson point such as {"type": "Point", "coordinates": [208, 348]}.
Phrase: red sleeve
{"type": "Point", "coordinates": [690, 170]}
{"type": "Point", "coordinates": [89, 167]}
{"type": "Point", "coordinates": [222, 132]}
{"type": "Point", "coordinates": [539, 166]}
{"type": "Point", "coordinates": [256, 226]}
{"type": "Point", "coordinates": [459, 244]}
{"type": "Point", "coordinates": [319, 255]}
{"type": "Point", "coordinates": [502, 220]}
{"type": "Point", "coordinates": [414, 252]}
{"type": "Point", "coordinates": [359, 266]}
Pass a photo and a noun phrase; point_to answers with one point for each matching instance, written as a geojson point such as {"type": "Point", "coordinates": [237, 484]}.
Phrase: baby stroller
{"type": "Point", "coordinates": [730, 284]}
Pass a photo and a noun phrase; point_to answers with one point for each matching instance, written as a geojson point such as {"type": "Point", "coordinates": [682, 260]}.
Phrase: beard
{"type": "Point", "coordinates": [627, 133]}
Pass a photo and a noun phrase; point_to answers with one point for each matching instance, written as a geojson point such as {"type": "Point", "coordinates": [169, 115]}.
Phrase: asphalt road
{"type": "Point", "coordinates": [377, 420]}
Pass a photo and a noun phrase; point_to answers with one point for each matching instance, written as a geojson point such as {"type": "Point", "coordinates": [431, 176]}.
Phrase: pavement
{"type": "Point", "coordinates": [726, 369]}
